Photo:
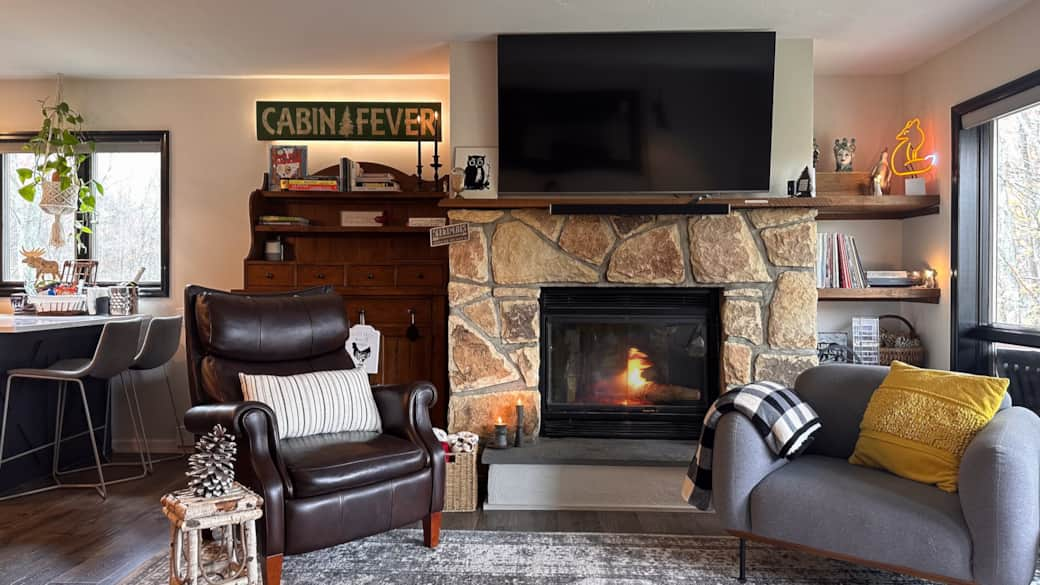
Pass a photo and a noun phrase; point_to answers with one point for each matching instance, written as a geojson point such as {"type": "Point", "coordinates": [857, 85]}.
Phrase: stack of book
{"type": "Point", "coordinates": [283, 220]}
{"type": "Point", "coordinates": [362, 218]}
{"type": "Point", "coordinates": [892, 278]}
{"type": "Point", "coordinates": [375, 182]}
{"type": "Point", "coordinates": [427, 222]}
{"type": "Point", "coordinates": [837, 262]}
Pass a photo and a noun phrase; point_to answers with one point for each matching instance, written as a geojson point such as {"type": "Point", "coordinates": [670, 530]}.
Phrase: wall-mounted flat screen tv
{"type": "Point", "coordinates": [635, 112]}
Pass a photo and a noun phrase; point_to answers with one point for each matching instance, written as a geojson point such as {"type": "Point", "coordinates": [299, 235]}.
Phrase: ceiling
{"type": "Point", "coordinates": [242, 38]}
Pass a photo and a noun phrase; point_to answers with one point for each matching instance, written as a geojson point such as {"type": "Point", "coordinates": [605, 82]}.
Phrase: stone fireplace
{"type": "Point", "coordinates": [760, 262]}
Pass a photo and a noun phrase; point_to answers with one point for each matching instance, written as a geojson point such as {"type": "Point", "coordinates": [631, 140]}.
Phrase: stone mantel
{"type": "Point", "coordinates": [763, 259]}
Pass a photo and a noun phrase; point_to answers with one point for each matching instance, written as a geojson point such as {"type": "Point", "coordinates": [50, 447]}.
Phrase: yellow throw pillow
{"type": "Point", "coordinates": [919, 422]}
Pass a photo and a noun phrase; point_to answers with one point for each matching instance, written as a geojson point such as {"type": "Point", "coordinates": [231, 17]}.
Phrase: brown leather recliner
{"type": "Point", "coordinates": [322, 490]}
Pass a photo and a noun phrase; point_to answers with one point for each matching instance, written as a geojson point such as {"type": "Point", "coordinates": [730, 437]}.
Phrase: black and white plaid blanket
{"type": "Point", "coordinates": [786, 424]}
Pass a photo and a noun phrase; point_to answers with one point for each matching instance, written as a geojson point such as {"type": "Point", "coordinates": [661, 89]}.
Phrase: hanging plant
{"type": "Point", "coordinates": [59, 148]}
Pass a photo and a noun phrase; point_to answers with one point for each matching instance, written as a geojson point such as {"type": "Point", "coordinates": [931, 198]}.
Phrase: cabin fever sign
{"type": "Point", "coordinates": [402, 121]}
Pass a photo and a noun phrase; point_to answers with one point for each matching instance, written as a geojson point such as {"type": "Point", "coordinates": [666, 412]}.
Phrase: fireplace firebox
{"type": "Point", "coordinates": [628, 362]}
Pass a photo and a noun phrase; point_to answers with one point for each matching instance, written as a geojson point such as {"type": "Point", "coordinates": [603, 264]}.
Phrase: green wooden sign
{"type": "Point", "coordinates": [400, 121]}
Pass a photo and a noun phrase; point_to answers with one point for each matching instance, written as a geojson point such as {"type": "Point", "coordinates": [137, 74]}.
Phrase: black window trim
{"type": "Point", "coordinates": [971, 180]}
{"type": "Point", "coordinates": [160, 288]}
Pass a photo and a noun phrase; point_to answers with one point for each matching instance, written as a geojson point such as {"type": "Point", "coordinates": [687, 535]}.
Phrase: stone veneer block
{"type": "Point", "coordinates": [763, 218]}
{"type": "Point", "coordinates": [483, 315]}
{"type": "Point", "coordinates": [793, 245]}
{"type": "Point", "coordinates": [474, 363]}
{"type": "Point", "coordinates": [509, 291]}
{"type": "Point", "coordinates": [627, 225]}
{"type": "Point", "coordinates": [736, 364]}
{"type": "Point", "coordinates": [652, 257]}
{"type": "Point", "coordinates": [528, 360]}
{"type": "Point", "coordinates": [478, 413]}
{"type": "Point", "coordinates": [742, 319]}
{"type": "Point", "coordinates": [474, 215]}
{"type": "Point", "coordinates": [792, 313]}
{"type": "Point", "coordinates": [587, 237]}
{"type": "Point", "coordinates": [742, 292]}
{"type": "Point", "coordinates": [469, 260]}
{"type": "Point", "coordinates": [781, 368]}
{"type": "Point", "coordinates": [539, 219]}
{"type": "Point", "coordinates": [460, 293]}
{"type": "Point", "coordinates": [520, 256]}
{"type": "Point", "coordinates": [519, 321]}
{"type": "Point", "coordinates": [723, 250]}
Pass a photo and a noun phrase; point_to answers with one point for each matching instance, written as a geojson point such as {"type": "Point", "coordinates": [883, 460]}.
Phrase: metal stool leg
{"type": "Point", "coordinates": [59, 423]}
{"type": "Point", "coordinates": [142, 441]}
{"type": "Point", "coordinates": [3, 421]}
{"type": "Point", "coordinates": [177, 426]}
{"type": "Point", "coordinates": [102, 489]}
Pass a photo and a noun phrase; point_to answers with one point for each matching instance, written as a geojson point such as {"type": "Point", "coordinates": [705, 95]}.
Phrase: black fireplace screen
{"type": "Point", "coordinates": [628, 362]}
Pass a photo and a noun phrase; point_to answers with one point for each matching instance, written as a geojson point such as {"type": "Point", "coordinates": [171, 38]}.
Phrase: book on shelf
{"type": "Point", "coordinates": [838, 263]}
{"type": "Point", "coordinates": [427, 221]}
{"type": "Point", "coordinates": [381, 186]}
{"type": "Point", "coordinates": [893, 278]}
{"type": "Point", "coordinates": [310, 184]}
{"type": "Point", "coordinates": [348, 171]}
{"type": "Point", "coordinates": [283, 220]}
{"type": "Point", "coordinates": [362, 218]}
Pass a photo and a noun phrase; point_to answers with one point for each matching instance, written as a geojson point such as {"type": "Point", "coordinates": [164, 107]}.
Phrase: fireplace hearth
{"type": "Point", "coordinates": [628, 362]}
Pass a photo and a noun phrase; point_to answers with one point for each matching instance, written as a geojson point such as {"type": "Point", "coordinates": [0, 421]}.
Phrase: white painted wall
{"type": "Point", "coordinates": [215, 162]}
{"type": "Point", "coordinates": [474, 98]}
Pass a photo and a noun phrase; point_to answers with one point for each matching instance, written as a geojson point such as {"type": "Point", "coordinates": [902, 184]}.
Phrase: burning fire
{"type": "Point", "coordinates": [638, 362]}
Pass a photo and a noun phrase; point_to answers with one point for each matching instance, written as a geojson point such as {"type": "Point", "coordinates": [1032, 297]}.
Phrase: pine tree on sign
{"type": "Point", "coordinates": [211, 469]}
{"type": "Point", "coordinates": [346, 127]}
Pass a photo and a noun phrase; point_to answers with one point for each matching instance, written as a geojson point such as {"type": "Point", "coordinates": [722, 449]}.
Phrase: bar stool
{"type": "Point", "coordinates": [162, 338]}
{"type": "Point", "coordinates": [114, 355]}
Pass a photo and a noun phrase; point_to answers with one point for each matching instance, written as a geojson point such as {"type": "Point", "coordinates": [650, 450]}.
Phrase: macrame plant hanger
{"type": "Point", "coordinates": [54, 200]}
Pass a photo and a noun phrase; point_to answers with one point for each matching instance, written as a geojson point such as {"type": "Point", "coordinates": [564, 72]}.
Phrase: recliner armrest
{"type": "Point", "coordinates": [258, 463]}
{"type": "Point", "coordinates": [405, 412]}
{"type": "Point", "coordinates": [999, 483]}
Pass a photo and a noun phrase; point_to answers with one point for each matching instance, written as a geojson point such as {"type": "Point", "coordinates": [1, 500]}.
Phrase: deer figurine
{"type": "Point", "coordinates": [34, 259]}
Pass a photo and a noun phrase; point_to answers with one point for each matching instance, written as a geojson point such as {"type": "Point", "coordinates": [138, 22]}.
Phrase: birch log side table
{"type": "Point", "coordinates": [231, 561]}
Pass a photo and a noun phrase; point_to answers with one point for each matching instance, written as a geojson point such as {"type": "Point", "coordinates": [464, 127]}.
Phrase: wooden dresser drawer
{"type": "Point", "coordinates": [380, 312]}
{"type": "Point", "coordinates": [270, 274]}
{"type": "Point", "coordinates": [370, 275]}
{"type": "Point", "coordinates": [420, 275]}
{"type": "Point", "coordinates": [319, 274]}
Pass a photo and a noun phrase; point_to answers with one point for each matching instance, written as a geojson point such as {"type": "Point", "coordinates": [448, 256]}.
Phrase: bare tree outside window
{"type": "Point", "coordinates": [127, 223]}
{"type": "Point", "coordinates": [1016, 253]}
{"type": "Point", "coordinates": [25, 225]}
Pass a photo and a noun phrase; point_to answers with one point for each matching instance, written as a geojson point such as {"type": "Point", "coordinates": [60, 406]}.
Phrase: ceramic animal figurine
{"type": "Point", "coordinates": [881, 174]}
{"type": "Point", "coordinates": [815, 152]}
{"type": "Point", "coordinates": [844, 153]}
{"type": "Point", "coordinates": [34, 259]}
{"type": "Point", "coordinates": [910, 139]}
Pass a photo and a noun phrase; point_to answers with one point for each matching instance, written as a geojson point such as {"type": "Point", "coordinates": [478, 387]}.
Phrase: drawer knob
{"type": "Point", "coordinates": [371, 276]}
{"type": "Point", "coordinates": [268, 275]}
{"type": "Point", "coordinates": [420, 276]}
{"type": "Point", "coordinates": [321, 275]}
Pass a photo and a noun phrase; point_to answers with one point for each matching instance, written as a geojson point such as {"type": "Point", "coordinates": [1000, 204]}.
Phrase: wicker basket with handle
{"type": "Point", "coordinates": [912, 354]}
{"type": "Point", "coordinates": [460, 490]}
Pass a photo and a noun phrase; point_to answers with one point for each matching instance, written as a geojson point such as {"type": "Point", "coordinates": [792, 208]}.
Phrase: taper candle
{"type": "Point", "coordinates": [519, 441]}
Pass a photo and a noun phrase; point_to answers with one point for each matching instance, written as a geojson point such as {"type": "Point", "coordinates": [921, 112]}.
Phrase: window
{"type": "Point", "coordinates": [129, 227]}
{"type": "Point", "coordinates": [996, 236]}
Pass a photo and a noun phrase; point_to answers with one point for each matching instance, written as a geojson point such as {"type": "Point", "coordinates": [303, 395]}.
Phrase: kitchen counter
{"type": "Point", "coordinates": [31, 323]}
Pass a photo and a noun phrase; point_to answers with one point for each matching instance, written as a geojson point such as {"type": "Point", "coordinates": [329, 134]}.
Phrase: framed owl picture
{"type": "Point", "coordinates": [479, 171]}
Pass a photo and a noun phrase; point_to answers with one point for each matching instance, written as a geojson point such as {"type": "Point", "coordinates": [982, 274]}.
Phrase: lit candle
{"type": "Point", "coordinates": [501, 441]}
{"type": "Point", "coordinates": [519, 441]}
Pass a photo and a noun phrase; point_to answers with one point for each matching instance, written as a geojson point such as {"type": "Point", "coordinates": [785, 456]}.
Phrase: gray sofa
{"type": "Point", "coordinates": [986, 534]}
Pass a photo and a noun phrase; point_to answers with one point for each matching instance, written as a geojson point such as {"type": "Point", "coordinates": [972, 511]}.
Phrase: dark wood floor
{"type": "Point", "coordinates": [72, 537]}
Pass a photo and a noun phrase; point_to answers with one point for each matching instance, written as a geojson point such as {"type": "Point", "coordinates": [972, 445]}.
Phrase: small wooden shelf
{"type": "Point", "coordinates": [335, 229]}
{"type": "Point", "coordinates": [326, 196]}
{"type": "Point", "coordinates": [905, 294]}
{"type": "Point", "coordinates": [830, 207]}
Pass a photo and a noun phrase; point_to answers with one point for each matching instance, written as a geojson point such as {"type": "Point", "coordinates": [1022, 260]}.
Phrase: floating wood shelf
{"type": "Point", "coordinates": [829, 206]}
{"type": "Point", "coordinates": [353, 195]}
{"type": "Point", "coordinates": [906, 294]}
{"type": "Point", "coordinates": [335, 229]}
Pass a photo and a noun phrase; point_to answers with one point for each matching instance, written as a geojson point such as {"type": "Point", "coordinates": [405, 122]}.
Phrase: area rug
{"type": "Point", "coordinates": [553, 558]}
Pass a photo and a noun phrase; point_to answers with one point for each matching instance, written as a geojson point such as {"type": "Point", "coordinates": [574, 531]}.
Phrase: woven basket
{"type": "Point", "coordinates": [910, 355]}
{"type": "Point", "coordinates": [460, 491]}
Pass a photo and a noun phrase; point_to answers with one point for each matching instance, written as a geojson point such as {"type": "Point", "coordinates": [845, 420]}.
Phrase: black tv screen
{"type": "Point", "coordinates": [635, 112]}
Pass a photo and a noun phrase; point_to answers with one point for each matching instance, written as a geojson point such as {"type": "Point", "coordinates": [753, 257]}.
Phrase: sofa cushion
{"type": "Point", "coordinates": [827, 504]}
{"type": "Point", "coordinates": [321, 464]}
{"type": "Point", "coordinates": [919, 422]}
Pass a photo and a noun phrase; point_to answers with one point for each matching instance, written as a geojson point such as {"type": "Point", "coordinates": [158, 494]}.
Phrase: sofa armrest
{"type": "Point", "coordinates": [740, 461]}
{"type": "Point", "coordinates": [405, 412]}
{"type": "Point", "coordinates": [999, 482]}
{"type": "Point", "coordinates": [258, 464]}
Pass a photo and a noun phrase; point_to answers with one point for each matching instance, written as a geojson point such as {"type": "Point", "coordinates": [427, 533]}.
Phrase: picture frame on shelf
{"type": "Point", "coordinates": [833, 346]}
{"type": "Point", "coordinates": [479, 171]}
{"type": "Point", "coordinates": [286, 161]}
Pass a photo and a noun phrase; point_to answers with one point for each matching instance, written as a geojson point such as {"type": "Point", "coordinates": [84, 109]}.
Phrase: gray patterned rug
{"type": "Point", "coordinates": [553, 558]}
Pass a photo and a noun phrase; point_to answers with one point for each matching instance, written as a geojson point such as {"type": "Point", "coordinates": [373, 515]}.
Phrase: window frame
{"type": "Point", "coordinates": [156, 288]}
{"type": "Point", "coordinates": [972, 181]}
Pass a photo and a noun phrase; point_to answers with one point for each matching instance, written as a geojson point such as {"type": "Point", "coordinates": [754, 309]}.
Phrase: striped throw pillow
{"type": "Point", "coordinates": [317, 402]}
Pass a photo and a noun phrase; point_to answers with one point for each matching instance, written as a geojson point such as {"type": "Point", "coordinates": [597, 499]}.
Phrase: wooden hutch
{"type": "Point", "coordinates": [388, 274]}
